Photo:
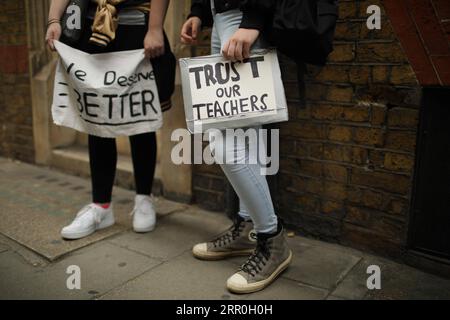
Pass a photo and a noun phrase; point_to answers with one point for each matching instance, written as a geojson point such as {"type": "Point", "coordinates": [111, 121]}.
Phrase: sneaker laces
{"type": "Point", "coordinates": [88, 208]}
{"type": "Point", "coordinates": [261, 254]}
{"type": "Point", "coordinates": [232, 233]}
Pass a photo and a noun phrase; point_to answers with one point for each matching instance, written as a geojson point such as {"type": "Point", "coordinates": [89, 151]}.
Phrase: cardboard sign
{"type": "Point", "coordinates": [222, 94]}
{"type": "Point", "coordinates": [107, 94]}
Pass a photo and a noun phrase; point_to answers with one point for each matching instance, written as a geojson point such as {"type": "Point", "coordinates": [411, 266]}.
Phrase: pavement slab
{"type": "Point", "coordinates": [183, 277]}
{"type": "Point", "coordinates": [175, 234]}
{"type": "Point", "coordinates": [285, 289]}
{"type": "Point", "coordinates": [37, 202]}
{"type": "Point", "coordinates": [116, 263]}
{"type": "Point", "coordinates": [102, 266]}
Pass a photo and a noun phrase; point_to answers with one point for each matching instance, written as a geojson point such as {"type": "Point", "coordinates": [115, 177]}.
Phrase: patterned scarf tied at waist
{"type": "Point", "coordinates": [106, 19]}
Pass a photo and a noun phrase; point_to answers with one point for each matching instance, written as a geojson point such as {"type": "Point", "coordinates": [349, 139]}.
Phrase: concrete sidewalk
{"type": "Point", "coordinates": [120, 264]}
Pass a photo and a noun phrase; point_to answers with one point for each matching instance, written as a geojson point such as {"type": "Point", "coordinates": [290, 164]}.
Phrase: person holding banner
{"type": "Point", "coordinates": [237, 29]}
{"type": "Point", "coordinates": [113, 26]}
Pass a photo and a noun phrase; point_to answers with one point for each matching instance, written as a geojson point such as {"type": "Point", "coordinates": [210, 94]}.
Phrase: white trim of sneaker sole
{"type": "Point", "coordinates": [144, 230]}
{"type": "Point", "coordinates": [78, 235]}
{"type": "Point", "coordinates": [257, 286]}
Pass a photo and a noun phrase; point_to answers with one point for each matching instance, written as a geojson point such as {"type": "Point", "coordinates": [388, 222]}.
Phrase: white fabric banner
{"type": "Point", "coordinates": [222, 94]}
{"type": "Point", "coordinates": [106, 94]}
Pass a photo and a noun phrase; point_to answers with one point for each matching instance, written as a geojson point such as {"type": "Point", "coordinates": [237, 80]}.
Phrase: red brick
{"type": "Point", "coordinates": [446, 26]}
{"type": "Point", "coordinates": [430, 30]}
{"type": "Point", "coordinates": [21, 59]}
{"type": "Point", "coordinates": [442, 65]}
{"type": "Point", "coordinates": [13, 59]}
{"type": "Point", "coordinates": [407, 33]}
{"type": "Point", "coordinates": [442, 8]}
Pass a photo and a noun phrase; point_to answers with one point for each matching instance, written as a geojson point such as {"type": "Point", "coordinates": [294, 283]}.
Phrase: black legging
{"type": "Point", "coordinates": [103, 161]}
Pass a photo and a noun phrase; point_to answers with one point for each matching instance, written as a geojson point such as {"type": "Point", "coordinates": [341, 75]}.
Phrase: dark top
{"type": "Point", "coordinates": [256, 13]}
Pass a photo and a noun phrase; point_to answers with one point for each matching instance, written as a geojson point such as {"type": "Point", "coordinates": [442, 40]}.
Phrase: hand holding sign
{"type": "Point", "coordinates": [106, 95]}
{"type": "Point", "coordinates": [238, 46]}
{"type": "Point", "coordinates": [221, 94]}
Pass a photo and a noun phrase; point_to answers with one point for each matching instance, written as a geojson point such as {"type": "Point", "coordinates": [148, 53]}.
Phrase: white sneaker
{"type": "Point", "coordinates": [144, 215]}
{"type": "Point", "coordinates": [89, 219]}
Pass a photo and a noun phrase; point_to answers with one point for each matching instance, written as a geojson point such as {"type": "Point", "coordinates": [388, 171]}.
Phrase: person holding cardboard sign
{"type": "Point", "coordinates": [111, 26]}
{"type": "Point", "coordinates": [237, 28]}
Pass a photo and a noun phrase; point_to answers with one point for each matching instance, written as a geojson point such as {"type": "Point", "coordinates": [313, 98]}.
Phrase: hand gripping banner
{"type": "Point", "coordinates": [106, 94]}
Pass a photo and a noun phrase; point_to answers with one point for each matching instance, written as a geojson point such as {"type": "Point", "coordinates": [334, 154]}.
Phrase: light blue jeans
{"type": "Point", "coordinates": [251, 186]}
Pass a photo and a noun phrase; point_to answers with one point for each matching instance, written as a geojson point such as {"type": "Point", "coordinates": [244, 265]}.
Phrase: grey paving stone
{"type": "Point", "coordinates": [284, 289]}
{"type": "Point", "coordinates": [17, 277]}
{"type": "Point", "coordinates": [3, 247]}
{"type": "Point", "coordinates": [164, 207]}
{"type": "Point", "coordinates": [397, 282]}
{"type": "Point", "coordinates": [321, 267]}
{"type": "Point", "coordinates": [34, 196]}
{"type": "Point", "coordinates": [28, 256]}
{"type": "Point", "coordinates": [354, 285]}
{"type": "Point", "coordinates": [103, 267]}
{"type": "Point", "coordinates": [334, 298]}
{"type": "Point", "coordinates": [174, 234]}
{"type": "Point", "coordinates": [403, 282]}
{"type": "Point", "coordinates": [48, 200]}
{"type": "Point", "coordinates": [181, 278]}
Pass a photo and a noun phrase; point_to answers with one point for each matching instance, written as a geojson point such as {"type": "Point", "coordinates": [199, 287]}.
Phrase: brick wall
{"type": "Point", "coordinates": [423, 27]}
{"type": "Point", "coordinates": [16, 133]}
{"type": "Point", "coordinates": [347, 153]}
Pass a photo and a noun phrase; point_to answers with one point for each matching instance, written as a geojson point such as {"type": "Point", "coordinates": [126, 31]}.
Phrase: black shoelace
{"type": "Point", "coordinates": [257, 260]}
{"type": "Point", "coordinates": [229, 236]}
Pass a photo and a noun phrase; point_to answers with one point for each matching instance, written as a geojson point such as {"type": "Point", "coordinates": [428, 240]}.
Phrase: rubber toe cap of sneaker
{"type": "Point", "coordinates": [237, 281]}
{"type": "Point", "coordinates": [200, 248]}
